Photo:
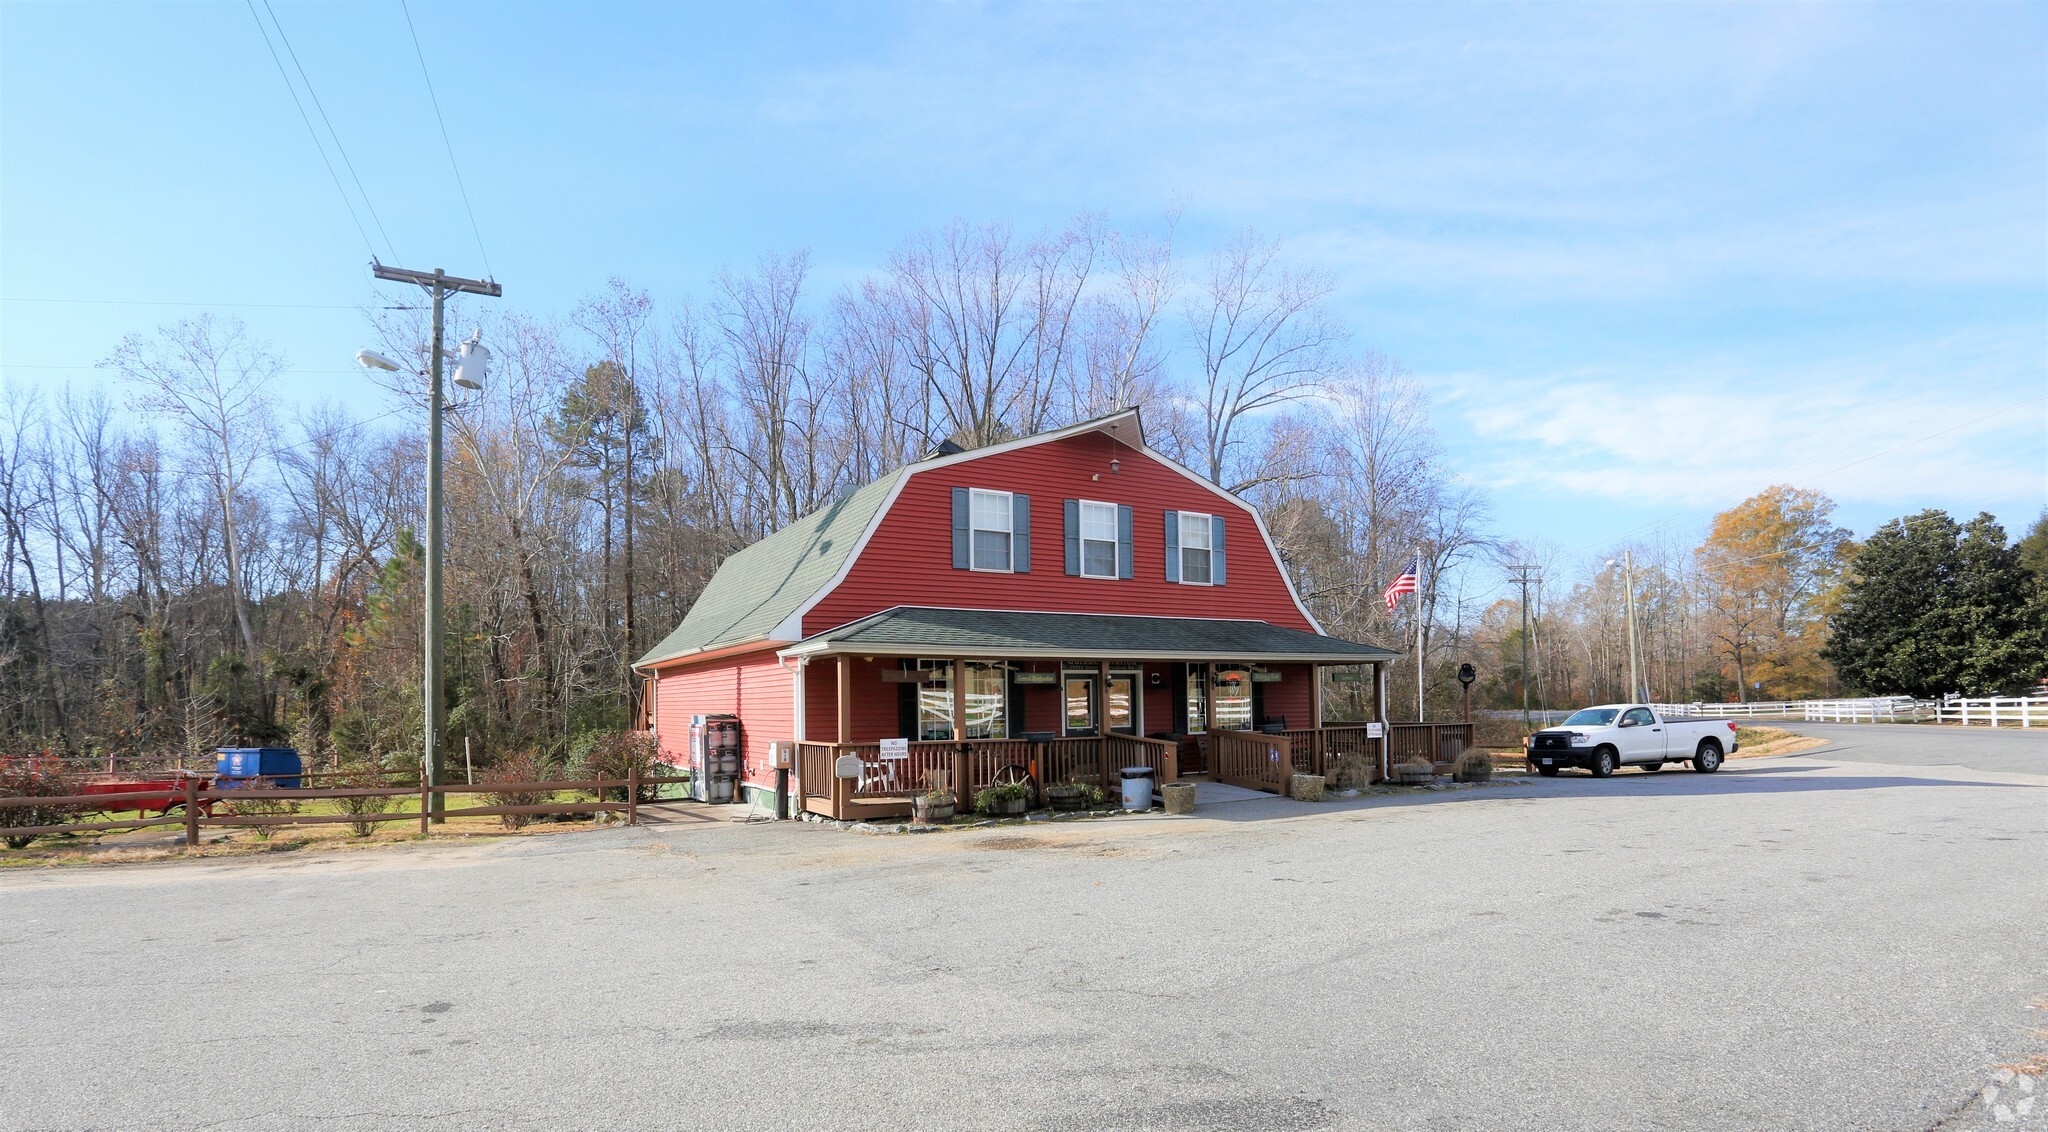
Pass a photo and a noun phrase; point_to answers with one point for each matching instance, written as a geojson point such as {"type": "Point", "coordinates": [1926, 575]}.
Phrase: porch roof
{"type": "Point", "coordinates": [1005, 634]}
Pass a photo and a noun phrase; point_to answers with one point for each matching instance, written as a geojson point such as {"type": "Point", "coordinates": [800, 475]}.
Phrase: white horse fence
{"type": "Point", "coordinates": [1970, 711]}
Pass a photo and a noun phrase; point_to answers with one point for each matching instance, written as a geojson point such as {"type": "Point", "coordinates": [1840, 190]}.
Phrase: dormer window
{"type": "Point", "coordinates": [991, 531]}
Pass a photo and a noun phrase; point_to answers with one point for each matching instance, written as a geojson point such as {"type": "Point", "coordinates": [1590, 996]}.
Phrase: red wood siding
{"type": "Point", "coordinates": [1291, 697]}
{"type": "Point", "coordinates": [755, 687]}
{"type": "Point", "coordinates": [909, 561]}
{"type": "Point", "coordinates": [1158, 713]}
{"type": "Point", "coordinates": [873, 707]}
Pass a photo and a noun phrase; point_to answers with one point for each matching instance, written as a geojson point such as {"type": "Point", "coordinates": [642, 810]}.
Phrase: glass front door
{"type": "Point", "coordinates": [1080, 705]}
{"type": "Point", "coordinates": [1123, 702]}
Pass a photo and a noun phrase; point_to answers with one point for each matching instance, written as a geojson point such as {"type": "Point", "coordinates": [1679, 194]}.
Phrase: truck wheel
{"type": "Point", "coordinates": [1651, 768]}
{"type": "Point", "coordinates": [1546, 771]}
{"type": "Point", "coordinates": [1603, 762]}
{"type": "Point", "coordinates": [1708, 758]}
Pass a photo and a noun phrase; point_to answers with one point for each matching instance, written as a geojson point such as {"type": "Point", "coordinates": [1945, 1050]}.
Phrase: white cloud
{"type": "Point", "coordinates": [1961, 423]}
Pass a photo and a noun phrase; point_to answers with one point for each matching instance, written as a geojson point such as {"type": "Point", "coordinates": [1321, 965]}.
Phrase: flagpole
{"type": "Point", "coordinates": [1419, 716]}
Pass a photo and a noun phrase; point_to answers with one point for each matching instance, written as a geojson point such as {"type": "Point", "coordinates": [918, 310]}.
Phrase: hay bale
{"type": "Point", "coordinates": [1305, 787]}
{"type": "Point", "coordinates": [1180, 797]}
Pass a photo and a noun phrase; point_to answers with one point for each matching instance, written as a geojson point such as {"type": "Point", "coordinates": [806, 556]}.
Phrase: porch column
{"type": "Point", "coordinates": [1110, 787]}
{"type": "Point", "coordinates": [959, 700]}
{"type": "Point", "coordinates": [1379, 712]}
{"type": "Point", "coordinates": [960, 783]}
{"type": "Point", "coordinates": [845, 693]}
{"type": "Point", "coordinates": [1317, 754]}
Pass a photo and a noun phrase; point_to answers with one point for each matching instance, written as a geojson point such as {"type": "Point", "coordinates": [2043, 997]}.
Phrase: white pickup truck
{"type": "Point", "coordinates": [1616, 735]}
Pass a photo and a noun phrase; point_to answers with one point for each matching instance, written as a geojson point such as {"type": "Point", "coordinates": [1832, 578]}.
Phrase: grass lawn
{"type": "Point", "coordinates": [1756, 742]}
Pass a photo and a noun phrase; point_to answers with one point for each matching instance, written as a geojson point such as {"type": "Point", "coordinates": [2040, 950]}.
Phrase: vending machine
{"type": "Point", "coordinates": [714, 758]}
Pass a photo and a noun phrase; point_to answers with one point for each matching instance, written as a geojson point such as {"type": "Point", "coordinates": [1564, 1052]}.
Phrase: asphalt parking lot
{"type": "Point", "coordinates": [1792, 943]}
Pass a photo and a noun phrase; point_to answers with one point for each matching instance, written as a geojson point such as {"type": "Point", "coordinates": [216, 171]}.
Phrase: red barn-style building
{"type": "Point", "coordinates": [1060, 606]}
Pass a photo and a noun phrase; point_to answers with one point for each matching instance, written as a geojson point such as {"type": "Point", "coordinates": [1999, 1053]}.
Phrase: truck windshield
{"type": "Point", "coordinates": [1592, 717]}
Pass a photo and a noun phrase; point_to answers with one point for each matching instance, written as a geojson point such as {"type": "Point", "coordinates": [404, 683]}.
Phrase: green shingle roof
{"type": "Point", "coordinates": [758, 588]}
{"type": "Point", "coordinates": [1078, 636]}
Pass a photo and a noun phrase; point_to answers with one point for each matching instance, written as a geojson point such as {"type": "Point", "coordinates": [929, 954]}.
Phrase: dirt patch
{"type": "Point", "coordinates": [1757, 742]}
{"type": "Point", "coordinates": [168, 843]}
{"type": "Point", "coordinates": [1012, 841]}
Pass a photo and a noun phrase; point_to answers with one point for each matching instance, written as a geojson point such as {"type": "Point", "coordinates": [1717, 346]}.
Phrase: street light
{"type": "Point", "coordinates": [371, 359]}
{"type": "Point", "coordinates": [470, 364]}
{"type": "Point", "coordinates": [1628, 576]}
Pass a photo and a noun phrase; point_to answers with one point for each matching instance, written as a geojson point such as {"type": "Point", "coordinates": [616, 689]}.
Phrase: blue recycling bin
{"type": "Point", "coordinates": [239, 767]}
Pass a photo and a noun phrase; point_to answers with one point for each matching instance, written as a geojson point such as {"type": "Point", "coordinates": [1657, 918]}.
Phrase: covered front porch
{"type": "Point", "coordinates": [984, 697]}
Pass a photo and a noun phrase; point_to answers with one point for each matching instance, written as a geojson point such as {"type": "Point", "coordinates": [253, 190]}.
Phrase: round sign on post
{"type": "Point", "coordinates": [846, 766]}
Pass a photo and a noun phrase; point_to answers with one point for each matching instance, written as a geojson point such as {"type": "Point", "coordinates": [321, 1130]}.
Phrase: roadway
{"type": "Point", "coordinates": [2006, 749]}
{"type": "Point", "coordinates": [1793, 943]}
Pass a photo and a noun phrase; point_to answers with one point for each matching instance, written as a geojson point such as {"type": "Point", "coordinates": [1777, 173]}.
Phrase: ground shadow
{"type": "Point", "coordinates": [1664, 784]}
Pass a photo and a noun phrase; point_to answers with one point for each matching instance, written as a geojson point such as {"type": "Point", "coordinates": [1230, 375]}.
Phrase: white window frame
{"type": "Point", "coordinates": [1196, 520]}
{"type": "Point", "coordinates": [1115, 539]}
{"type": "Point", "coordinates": [1008, 530]}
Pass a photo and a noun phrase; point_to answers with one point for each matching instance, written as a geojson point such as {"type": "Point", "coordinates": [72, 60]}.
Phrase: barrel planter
{"type": "Point", "coordinates": [1414, 774]}
{"type": "Point", "coordinates": [1067, 796]}
{"type": "Point", "coordinates": [931, 809]}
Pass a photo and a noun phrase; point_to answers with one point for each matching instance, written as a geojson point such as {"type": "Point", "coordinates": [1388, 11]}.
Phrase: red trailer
{"type": "Point", "coordinates": [163, 793]}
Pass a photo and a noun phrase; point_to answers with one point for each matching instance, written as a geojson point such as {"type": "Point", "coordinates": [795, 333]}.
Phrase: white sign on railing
{"type": "Point", "coordinates": [895, 749]}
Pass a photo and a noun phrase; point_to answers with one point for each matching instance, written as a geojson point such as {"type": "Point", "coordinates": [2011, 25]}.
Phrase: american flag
{"type": "Point", "coordinates": [1405, 584]}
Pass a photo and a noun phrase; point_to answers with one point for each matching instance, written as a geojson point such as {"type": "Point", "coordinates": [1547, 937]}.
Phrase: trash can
{"type": "Point", "coordinates": [1137, 788]}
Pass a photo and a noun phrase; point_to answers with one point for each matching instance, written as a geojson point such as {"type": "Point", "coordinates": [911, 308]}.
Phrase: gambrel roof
{"type": "Point", "coordinates": [763, 585]}
{"type": "Point", "coordinates": [762, 594]}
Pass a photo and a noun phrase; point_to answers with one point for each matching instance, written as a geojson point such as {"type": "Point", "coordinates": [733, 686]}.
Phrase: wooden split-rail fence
{"type": "Point", "coordinates": [192, 802]}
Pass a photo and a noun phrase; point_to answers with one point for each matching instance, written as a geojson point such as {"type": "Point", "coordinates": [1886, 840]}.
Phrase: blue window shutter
{"type": "Point", "coordinates": [1123, 541]}
{"type": "Point", "coordinates": [1173, 546]}
{"type": "Point", "coordinates": [1216, 550]}
{"type": "Point", "coordinates": [1020, 534]}
{"type": "Point", "coordinates": [1073, 538]}
{"type": "Point", "coordinates": [961, 560]}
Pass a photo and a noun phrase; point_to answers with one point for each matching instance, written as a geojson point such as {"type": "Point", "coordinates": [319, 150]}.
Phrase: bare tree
{"type": "Point", "coordinates": [212, 380]}
{"type": "Point", "coordinates": [1265, 340]}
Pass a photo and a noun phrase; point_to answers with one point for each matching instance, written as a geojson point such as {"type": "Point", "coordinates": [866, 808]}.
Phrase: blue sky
{"type": "Point", "coordinates": [1647, 258]}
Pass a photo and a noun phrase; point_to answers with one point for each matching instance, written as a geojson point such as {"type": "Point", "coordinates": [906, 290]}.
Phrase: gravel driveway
{"type": "Point", "coordinates": [1791, 943]}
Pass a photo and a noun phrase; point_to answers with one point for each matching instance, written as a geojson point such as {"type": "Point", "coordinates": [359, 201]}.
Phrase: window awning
{"type": "Point", "coordinates": [1001, 634]}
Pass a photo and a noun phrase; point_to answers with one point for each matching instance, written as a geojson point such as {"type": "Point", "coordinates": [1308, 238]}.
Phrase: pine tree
{"type": "Point", "coordinates": [1934, 607]}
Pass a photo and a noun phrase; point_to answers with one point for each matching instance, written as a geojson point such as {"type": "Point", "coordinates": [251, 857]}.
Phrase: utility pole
{"type": "Point", "coordinates": [438, 283]}
{"type": "Point", "coordinates": [1523, 574]}
{"type": "Point", "coordinates": [1635, 679]}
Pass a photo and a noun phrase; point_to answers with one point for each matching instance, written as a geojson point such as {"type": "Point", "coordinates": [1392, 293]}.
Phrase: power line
{"type": "Point", "coordinates": [178, 303]}
{"type": "Point", "coordinates": [313, 133]}
{"type": "Point", "coordinates": [450, 146]}
{"type": "Point", "coordinates": [338, 147]}
{"type": "Point", "coordinates": [91, 369]}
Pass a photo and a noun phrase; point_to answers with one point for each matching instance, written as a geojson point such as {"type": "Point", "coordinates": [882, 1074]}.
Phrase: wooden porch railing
{"type": "Point", "coordinates": [1257, 760]}
{"type": "Point", "coordinates": [1438, 744]}
{"type": "Point", "coordinates": [885, 786]}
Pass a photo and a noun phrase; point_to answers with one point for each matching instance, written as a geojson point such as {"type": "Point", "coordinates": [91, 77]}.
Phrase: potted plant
{"type": "Point", "coordinates": [1073, 796]}
{"type": "Point", "coordinates": [932, 807]}
{"type": "Point", "coordinates": [1007, 800]}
